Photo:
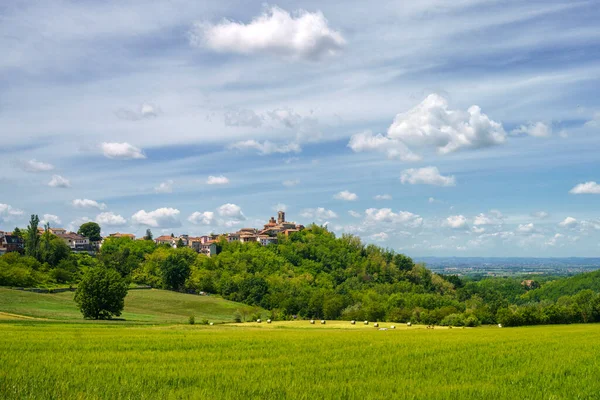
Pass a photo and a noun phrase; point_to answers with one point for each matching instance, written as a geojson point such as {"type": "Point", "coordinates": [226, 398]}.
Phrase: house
{"type": "Point", "coordinates": [166, 239]}
{"type": "Point", "coordinates": [10, 243]}
{"type": "Point", "coordinates": [209, 249]}
{"type": "Point", "coordinates": [58, 231]}
{"type": "Point", "coordinates": [75, 241]}
{"type": "Point", "coordinates": [273, 228]}
{"type": "Point", "coordinates": [266, 240]}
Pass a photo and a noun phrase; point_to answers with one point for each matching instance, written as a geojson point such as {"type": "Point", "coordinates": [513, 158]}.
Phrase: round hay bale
{"type": "Point", "coordinates": [211, 324]}
{"type": "Point", "coordinates": [268, 321]}
{"type": "Point", "coordinates": [376, 325]}
{"type": "Point", "coordinates": [393, 327]}
{"type": "Point", "coordinates": [258, 320]}
{"type": "Point", "coordinates": [366, 322]}
{"type": "Point", "coordinates": [408, 324]}
{"type": "Point", "coordinates": [312, 321]}
{"type": "Point", "coordinates": [499, 325]}
{"type": "Point", "coordinates": [322, 322]}
{"type": "Point", "coordinates": [353, 322]}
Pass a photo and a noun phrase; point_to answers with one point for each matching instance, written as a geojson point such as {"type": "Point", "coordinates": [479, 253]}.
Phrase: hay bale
{"type": "Point", "coordinates": [499, 325]}
{"type": "Point", "coordinates": [322, 322]}
{"type": "Point", "coordinates": [393, 327]}
{"type": "Point", "coordinates": [408, 324]}
{"type": "Point", "coordinates": [312, 321]}
{"type": "Point", "coordinates": [268, 321]}
{"type": "Point", "coordinates": [366, 322]}
{"type": "Point", "coordinates": [211, 324]}
{"type": "Point", "coordinates": [376, 325]}
{"type": "Point", "coordinates": [353, 322]}
{"type": "Point", "coordinates": [258, 320]}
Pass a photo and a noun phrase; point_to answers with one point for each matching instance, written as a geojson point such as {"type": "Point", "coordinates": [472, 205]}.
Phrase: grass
{"type": "Point", "coordinates": [99, 361]}
{"type": "Point", "coordinates": [145, 306]}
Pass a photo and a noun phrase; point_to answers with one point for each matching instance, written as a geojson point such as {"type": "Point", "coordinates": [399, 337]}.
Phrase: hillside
{"type": "Point", "coordinates": [566, 287]}
{"type": "Point", "coordinates": [146, 306]}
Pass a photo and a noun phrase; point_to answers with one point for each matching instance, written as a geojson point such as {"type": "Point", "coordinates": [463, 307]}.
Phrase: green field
{"type": "Point", "coordinates": [144, 306]}
{"type": "Point", "coordinates": [68, 361]}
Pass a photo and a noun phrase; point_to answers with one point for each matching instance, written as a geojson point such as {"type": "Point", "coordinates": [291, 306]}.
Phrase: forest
{"type": "Point", "coordinates": [314, 274]}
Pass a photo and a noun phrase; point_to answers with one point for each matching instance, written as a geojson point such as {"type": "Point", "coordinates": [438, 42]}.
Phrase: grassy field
{"type": "Point", "coordinates": [297, 361]}
{"type": "Point", "coordinates": [145, 306]}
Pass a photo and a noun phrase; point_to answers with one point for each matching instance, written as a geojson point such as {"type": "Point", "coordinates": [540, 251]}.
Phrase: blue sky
{"type": "Point", "coordinates": [466, 128]}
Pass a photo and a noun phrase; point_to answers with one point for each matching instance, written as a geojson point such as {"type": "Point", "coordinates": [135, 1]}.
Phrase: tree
{"type": "Point", "coordinates": [52, 249]}
{"type": "Point", "coordinates": [148, 234]}
{"type": "Point", "coordinates": [32, 241]}
{"type": "Point", "coordinates": [91, 230]}
{"type": "Point", "coordinates": [17, 232]}
{"type": "Point", "coordinates": [175, 269]}
{"type": "Point", "coordinates": [180, 243]}
{"type": "Point", "coordinates": [101, 293]}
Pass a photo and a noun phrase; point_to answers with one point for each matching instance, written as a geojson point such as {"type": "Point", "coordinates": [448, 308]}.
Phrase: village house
{"type": "Point", "coordinates": [165, 239]}
{"type": "Point", "coordinates": [10, 243]}
{"type": "Point", "coordinates": [120, 235]}
{"type": "Point", "coordinates": [75, 241]}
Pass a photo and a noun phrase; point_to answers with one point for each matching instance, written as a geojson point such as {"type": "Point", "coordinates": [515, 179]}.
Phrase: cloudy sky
{"type": "Point", "coordinates": [466, 127]}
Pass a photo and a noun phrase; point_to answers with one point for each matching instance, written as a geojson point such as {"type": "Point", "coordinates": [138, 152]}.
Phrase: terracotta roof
{"type": "Point", "coordinates": [164, 238]}
{"type": "Point", "coordinates": [71, 235]}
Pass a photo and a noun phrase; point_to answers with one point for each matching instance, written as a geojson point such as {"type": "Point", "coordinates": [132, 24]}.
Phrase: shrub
{"type": "Point", "coordinates": [192, 320]}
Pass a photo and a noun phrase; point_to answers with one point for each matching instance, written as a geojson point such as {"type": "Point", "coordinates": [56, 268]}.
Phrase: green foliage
{"type": "Point", "coordinates": [101, 294]}
{"type": "Point", "coordinates": [32, 238]}
{"type": "Point", "coordinates": [191, 320]}
{"type": "Point", "coordinates": [148, 235]}
{"type": "Point", "coordinates": [91, 230]}
{"type": "Point", "coordinates": [175, 269]}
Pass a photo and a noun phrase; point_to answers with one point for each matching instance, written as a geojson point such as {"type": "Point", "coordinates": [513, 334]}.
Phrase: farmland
{"type": "Point", "coordinates": [296, 360]}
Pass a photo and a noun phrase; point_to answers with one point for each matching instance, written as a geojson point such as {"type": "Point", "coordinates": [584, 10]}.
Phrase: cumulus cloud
{"type": "Point", "coordinates": [164, 187]}
{"type": "Point", "coordinates": [144, 111]}
{"type": "Point", "coordinates": [493, 218]}
{"type": "Point", "coordinates": [164, 217]}
{"type": "Point", "coordinates": [50, 219]}
{"type": "Point", "coordinates": [537, 129]}
{"type": "Point", "coordinates": [382, 197]}
{"type": "Point", "coordinates": [367, 141]}
{"type": "Point", "coordinates": [354, 214]}
{"type": "Point", "coordinates": [380, 237]}
{"type": "Point", "coordinates": [202, 218]}
{"type": "Point", "coordinates": [586, 188]}
{"type": "Point", "coordinates": [232, 211]}
{"type": "Point", "coordinates": [568, 222]}
{"type": "Point", "coordinates": [87, 203]}
{"type": "Point", "coordinates": [7, 212]}
{"type": "Point", "coordinates": [432, 124]}
{"type": "Point", "coordinates": [266, 147]}
{"type": "Point", "coordinates": [318, 214]}
{"type": "Point", "coordinates": [554, 241]}
{"type": "Point", "coordinates": [36, 166]}
{"type": "Point", "coordinates": [217, 180]}
{"type": "Point", "coordinates": [123, 151]}
{"type": "Point", "coordinates": [540, 214]}
{"type": "Point", "coordinates": [386, 215]}
{"type": "Point", "coordinates": [426, 176]}
{"type": "Point", "coordinates": [526, 228]}
{"type": "Point", "coordinates": [59, 182]}
{"type": "Point", "coordinates": [110, 219]}
{"type": "Point", "coordinates": [302, 35]}
{"type": "Point", "coordinates": [345, 195]}
{"type": "Point", "coordinates": [290, 182]}
{"type": "Point", "coordinates": [244, 117]}
{"type": "Point", "coordinates": [456, 222]}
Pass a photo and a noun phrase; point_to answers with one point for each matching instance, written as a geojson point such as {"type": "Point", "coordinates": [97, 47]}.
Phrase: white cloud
{"type": "Point", "coordinates": [217, 180]}
{"type": "Point", "coordinates": [382, 197]}
{"type": "Point", "coordinates": [244, 117]}
{"type": "Point", "coordinates": [456, 221]}
{"type": "Point", "coordinates": [110, 219]}
{"type": "Point", "coordinates": [291, 182]}
{"type": "Point", "coordinates": [526, 228]}
{"type": "Point", "coordinates": [393, 149]}
{"type": "Point", "coordinates": [144, 111]}
{"type": "Point", "coordinates": [346, 196]}
{"type": "Point", "coordinates": [354, 214]}
{"type": "Point", "coordinates": [36, 166]}
{"type": "Point", "coordinates": [266, 147]}
{"type": "Point", "coordinates": [7, 212]}
{"type": "Point", "coordinates": [279, 207]}
{"type": "Point", "coordinates": [493, 218]}
{"type": "Point", "coordinates": [380, 237]}
{"type": "Point", "coordinates": [165, 187]}
{"type": "Point", "coordinates": [568, 222]}
{"type": "Point", "coordinates": [540, 214]}
{"type": "Point", "coordinates": [586, 188]}
{"type": "Point", "coordinates": [202, 218]}
{"type": "Point", "coordinates": [164, 217]}
{"type": "Point", "coordinates": [426, 176]}
{"type": "Point", "coordinates": [303, 35]}
{"type": "Point", "coordinates": [318, 214]}
{"type": "Point", "coordinates": [433, 124]}
{"type": "Point", "coordinates": [432, 200]}
{"type": "Point", "coordinates": [123, 151]}
{"type": "Point", "coordinates": [52, 219]}
{"type": "Point", "coordinates": [386, 215]}
{"type": "Point", "coordinates": [555, 240]}
{"type": "Point", "coordinates": [538, 129]}
{"type": "Point", "coordinates": [232, 211]}
{"type": "Point", "coordinates": [87, 203]}
{"type": "Point", "coordinates": [59, 181]}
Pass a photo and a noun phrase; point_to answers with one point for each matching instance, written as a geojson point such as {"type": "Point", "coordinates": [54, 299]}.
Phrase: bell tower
{"type": "Point", "coordinates": [280, 217]}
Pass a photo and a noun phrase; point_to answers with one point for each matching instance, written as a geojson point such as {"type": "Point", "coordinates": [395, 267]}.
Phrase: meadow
{"type": "Point", "coordinates": [296, 360]}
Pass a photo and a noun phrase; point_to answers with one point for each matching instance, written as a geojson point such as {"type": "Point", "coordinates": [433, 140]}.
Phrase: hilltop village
{"type": "Point", "coordinates": [11, 241]}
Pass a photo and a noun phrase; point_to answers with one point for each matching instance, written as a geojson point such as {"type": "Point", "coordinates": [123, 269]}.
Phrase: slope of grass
{"type": "Point", "coordinates": [566, 287]}
{"type": "Point", "coordinates": [71, 361]}
{"type": "Point", "coordinates": [151, 306]}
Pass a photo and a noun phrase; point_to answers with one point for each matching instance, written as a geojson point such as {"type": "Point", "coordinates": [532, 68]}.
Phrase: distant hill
{"type": "Point", "coordinates": [146, 306]}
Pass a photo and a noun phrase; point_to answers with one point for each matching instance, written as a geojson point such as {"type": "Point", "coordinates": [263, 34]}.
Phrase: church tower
{"type": "Point", "coordinates": [280, 217]}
